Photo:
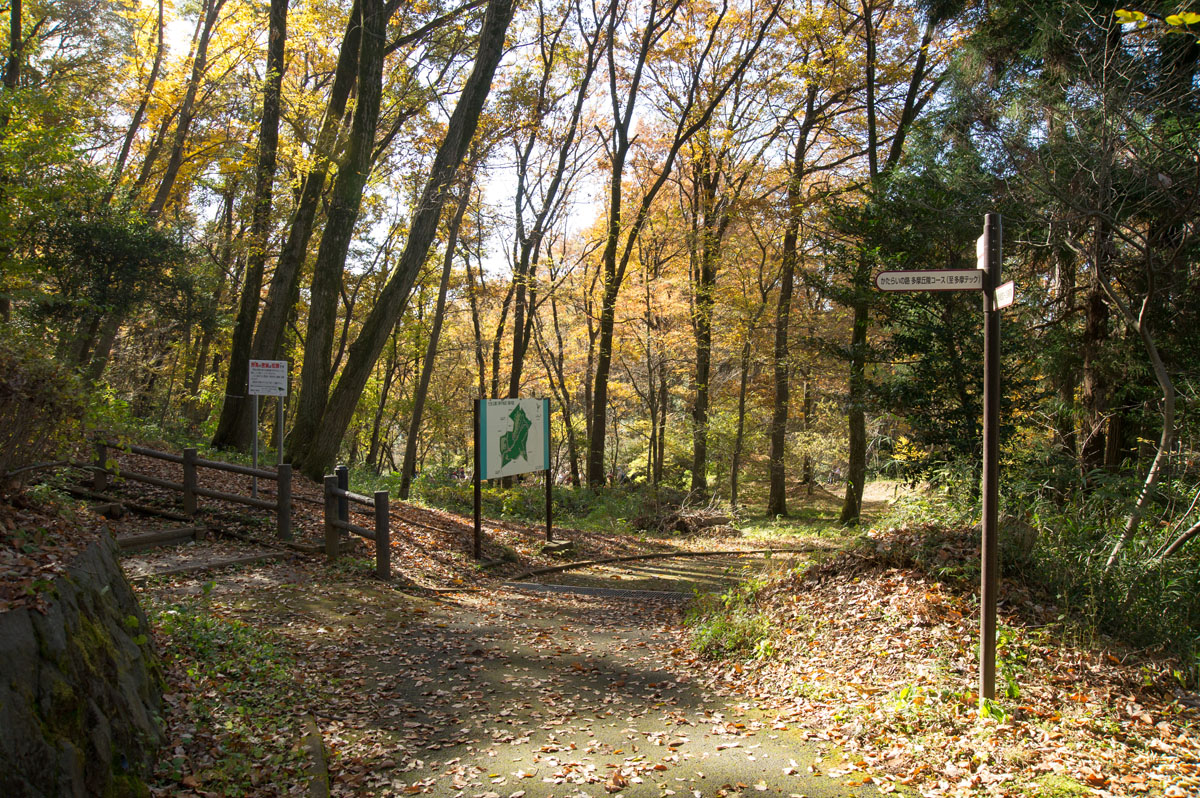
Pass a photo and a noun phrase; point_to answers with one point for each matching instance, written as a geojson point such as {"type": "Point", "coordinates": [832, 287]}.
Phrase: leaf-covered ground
{"type": "Point", "coordinates": [877, 657]}
{"type": "Point", "coordinates": [444, 682]}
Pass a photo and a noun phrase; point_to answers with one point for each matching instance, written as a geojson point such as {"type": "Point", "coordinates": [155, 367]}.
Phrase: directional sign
{"type": "Point", "coordinates": [1005, 294]}
{"type": "Point", "coordinates": [931, 280]}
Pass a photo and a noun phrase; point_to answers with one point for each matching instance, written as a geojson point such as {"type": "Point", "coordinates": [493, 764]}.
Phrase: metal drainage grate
{"type": "Point", "coordinates": [608, 592]}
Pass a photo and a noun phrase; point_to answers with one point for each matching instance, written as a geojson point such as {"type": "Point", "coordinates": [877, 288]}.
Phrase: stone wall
{"type": "Point", "coordinates": [80, 688]}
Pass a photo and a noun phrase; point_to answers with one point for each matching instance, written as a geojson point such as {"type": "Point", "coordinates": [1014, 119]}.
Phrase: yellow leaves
{"type": "Point", "coordinates": [1138, 18]}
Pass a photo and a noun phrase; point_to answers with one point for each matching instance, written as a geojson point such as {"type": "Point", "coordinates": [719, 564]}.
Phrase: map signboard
{"type": "Point", "coordinates": [514, 436]}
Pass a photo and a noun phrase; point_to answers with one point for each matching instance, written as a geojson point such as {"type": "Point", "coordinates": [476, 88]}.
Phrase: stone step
{"type": "Point", "coordinates": [163, 537]}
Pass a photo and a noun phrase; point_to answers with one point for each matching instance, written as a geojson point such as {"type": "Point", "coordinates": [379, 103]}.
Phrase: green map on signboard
{"type": "Point", "coordinates": [514, 443]}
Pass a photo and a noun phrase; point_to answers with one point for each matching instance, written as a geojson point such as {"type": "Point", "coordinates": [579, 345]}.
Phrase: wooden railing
{"type": "Point", "coordinates": [337, 519]}
{"type": "Point", "coordinates": [190, 486]}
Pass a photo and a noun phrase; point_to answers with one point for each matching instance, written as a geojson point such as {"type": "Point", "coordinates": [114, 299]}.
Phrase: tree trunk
{"type": "Point", "coordinates": [477, 327]}
{"type": "Point", "coordinates": [236, 429]}
{"type": "Point", "coordinates": [12, 80]}
{"type": "Point", "coordinates": [316, 451]}
{"type": "Point", "coordinates": [187, 109]}
{"type": "Point", "coordinates": [135, 123]}
{"type": "Point", "coordinates": [856, 469]}
{"type": "Point", "coordinates": [1094, 392]}
{"type": "Point", "coordinates": [1166, 439]}
{"type": "Point", "coordinates": [736, 461]}
{"type": "Point", "coordinates": [374, 457]}
{"type": "Point", "coordinates": [283, 291]}
{"type": "Point", "coordinates": [346, 198]}
{"type": "Point", "coordinates": [414, 425]}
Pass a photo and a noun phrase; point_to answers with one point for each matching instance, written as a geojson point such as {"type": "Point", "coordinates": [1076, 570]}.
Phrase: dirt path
{"type": "Point", "coordinates": [519, 693]}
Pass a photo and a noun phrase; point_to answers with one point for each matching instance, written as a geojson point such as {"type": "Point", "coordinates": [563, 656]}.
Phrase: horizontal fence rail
{"type": "Point", "coordinates": [337, 520]}
{"type": "Point", "coordinates": [190, 486]}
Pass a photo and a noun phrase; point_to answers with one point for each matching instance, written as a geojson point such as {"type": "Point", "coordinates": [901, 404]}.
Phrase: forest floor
{"type": "Point", "coordinates": [297, 676]}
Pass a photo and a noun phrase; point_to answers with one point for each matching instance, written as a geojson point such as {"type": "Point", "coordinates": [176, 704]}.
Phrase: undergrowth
{"type": "Point", "coordinates": [730, 625]}
{"type": "Point", "coordinates": [1058, 543]}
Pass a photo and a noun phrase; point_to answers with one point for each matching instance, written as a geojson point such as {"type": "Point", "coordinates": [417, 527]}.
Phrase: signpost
{"type": "Point", "coordinates": [990, 257]}
{"type": "Point", "coordinates": [512, 436]}
{"type": "Point", "coordinates": [996, 296]}
{"type": "Point", "coordinates": [267, 378]}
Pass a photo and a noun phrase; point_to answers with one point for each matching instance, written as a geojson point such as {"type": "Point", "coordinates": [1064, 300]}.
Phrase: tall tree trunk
{"type": "Point", "coordinates": [224, 258]}
{"type": "Point", "coordinates": [553, 363]}
{"type": "Point", "coordinates": [709, 229]}
{"type": "Point", "coordinates": [316, 451]}
{"type": "Point", "coordinates": [435, 332]}
{"type": "Point", "coordinates": [735, 463]}
{"type": "Point", "coordinates": [1094, 387]}
{"type": "Point", "coordinates": [346, 198]}
{"type": "Point", "coordinates": [284, 289]}
{"type": "Point", "coordinates": [1166, 440]}
{"type": "Point", "coordinates": [663, 397]}
{"type": "Point", "coordinates": [12, 80]}
{"type": "Point", "coordinates": [135, 123]}
{"type": "Point", "coordinates": [856, 414]}
{"type": "Point", "coordinates": [477, 327]}
{"type": "Point", "coordinates": [374, 458]}
{"type": "Point", "coordinates": [187, 109]}
{"type": "Point", "coordinates": [776, 467]}
{"type": "Point", "coordinates": [236, 429]}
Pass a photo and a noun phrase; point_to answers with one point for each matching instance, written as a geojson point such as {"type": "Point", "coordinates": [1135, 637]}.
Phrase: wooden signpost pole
{"type": "Point", "coordinates": [990, 542]}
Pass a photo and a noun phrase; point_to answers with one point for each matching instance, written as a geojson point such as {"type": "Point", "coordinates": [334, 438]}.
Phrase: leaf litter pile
{"type": "Point", "coordinates": [868, 681]}
{"type": "Point", "coordinates": [875, 657]}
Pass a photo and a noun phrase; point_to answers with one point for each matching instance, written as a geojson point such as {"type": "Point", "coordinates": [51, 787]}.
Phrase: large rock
{"type": "Point", "coordinates": [80, 688]}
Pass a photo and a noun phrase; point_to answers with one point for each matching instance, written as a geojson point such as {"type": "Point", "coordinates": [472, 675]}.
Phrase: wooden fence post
{"type": "Point", "coordinates": [189, 481]}
{"type": "Point", "coordinates": [100, 475]}
{"type": "Point", "coordinates": [383, 537]}
{"type": "Point", "coordinates": [331, 512]}
{"type": "Point", "coordinates": [343, 482]}
{"type": "Point", "coordinates": [284, 509]}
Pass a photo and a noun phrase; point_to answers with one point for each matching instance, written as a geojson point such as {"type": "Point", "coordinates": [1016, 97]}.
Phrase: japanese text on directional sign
{"type": "Point", "coordinates": [930, 280]}
{"type": "Point", "coordinates": [268, 378]}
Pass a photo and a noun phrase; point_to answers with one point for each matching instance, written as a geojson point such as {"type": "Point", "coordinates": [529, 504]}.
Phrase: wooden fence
{"type": "Point", "coordinates": [190, 486]}
{"type": "Point", "coordinates": [337, 518]}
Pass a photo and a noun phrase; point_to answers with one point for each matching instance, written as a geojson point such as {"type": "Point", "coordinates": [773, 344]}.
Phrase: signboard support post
{"type": "Point", "coordinates": [989, 524]}
{"type": "Point", "coordinates": [477, 404]}
{"type": "Point", "coordinates": [549, 471]}
{"type": "Point", "coordinates": [279, 432]}
{"type": "Point", "coordinates": [254, 480]}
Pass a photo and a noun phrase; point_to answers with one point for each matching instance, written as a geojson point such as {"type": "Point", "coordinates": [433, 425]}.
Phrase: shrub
{"type": "Point", "coordinates": [41, 407]}
{"type": "Point", "coordinates": [729, 625]}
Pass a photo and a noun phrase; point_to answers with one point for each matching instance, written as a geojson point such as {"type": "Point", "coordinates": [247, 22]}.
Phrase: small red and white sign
{"type": "Point", "coordinates": [268, 378]}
